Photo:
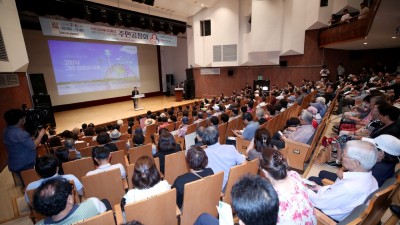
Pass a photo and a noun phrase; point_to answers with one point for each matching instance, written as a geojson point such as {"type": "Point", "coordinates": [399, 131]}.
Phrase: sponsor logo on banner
{"type": "Point", "coordinates": [63, 28]}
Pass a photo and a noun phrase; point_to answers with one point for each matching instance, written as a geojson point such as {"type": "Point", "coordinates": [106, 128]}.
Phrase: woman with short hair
{"type": "Point", "coordinates": [146, 180]}
{"type": "Point", "coordinates": [261, 141]}
{"type": "Point", "coordinates": [197, 160]}
{"type": "Point", "coordinates": [166, 145]}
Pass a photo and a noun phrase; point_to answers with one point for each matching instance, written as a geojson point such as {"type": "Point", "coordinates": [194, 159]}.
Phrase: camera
{"type": "Point", "coordinates": [36, 119]}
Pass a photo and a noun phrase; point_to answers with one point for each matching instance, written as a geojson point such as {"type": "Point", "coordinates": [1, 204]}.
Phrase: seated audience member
{"type": "Point", "coordinates": [89, 132]}
{"type": "Point", "coordinates": [197, 161]}
{"type": "Point", "coordinates": [164, 121]}
{"type": "Point", "coordinates": [138, 138]}
{"type": "Point", "coordinates": [339, 199]}
{"type": "Point", "coordinates": [234, 114]}
{"type": "Point", "coordinates": [260, 116]}
{"type": "Point", "coordinates": [54, 199]}
{"type": "Point", "coordinates": [102, 157]}
{"type": "Point", "coordinates": [320, 105]}
{"type": "Point", "coordinates": [294, 204]}
{"type": "Point", "coordinates": [214, 121]}
{"type": "Point", "coordinates": [254, 200]}
{"type": "Point", "coordinates": [47, 168]}
{"type": "Point", "coordinates": [182, 129]}
{"type": "Point", "coordinates": [363, 11]}
{"type": "Point", "coordinates": [302, 134]}
{"type": "Point", "coordinates": [104, 139]}
{"type": "Point", "coordinates": [55, 141]}
{"type": "Point", "coordinates": [62, 154]}
{"type": "Point", "coordinates": [249, 130]}
{"type": "Point", "coordinates": [224, 118]}
{"type": "Point", "coordinates": [220, 157]}
{"type": "Point", "coordinates": [115, 135]}
{"type": "Point", "coordinates": [198, 141]}
{"type": "Point", "coordinates": [70, 145]}
{"type": "Point", "coordinates": [199, 117]}
{"type": "Point", "coordinates": [166, 145]}
{"type": "Point", "coordinates": [388, 153]}
{"type": "Point", "coordinates": [260, 142]}
{"type": "Point", "coordinates": [146, 180]}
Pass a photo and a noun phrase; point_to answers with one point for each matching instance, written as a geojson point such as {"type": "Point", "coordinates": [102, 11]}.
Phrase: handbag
{"type": "Point", "coordinates": [347, 127]}
{"type": "Point", "coordinates": [324, 155]}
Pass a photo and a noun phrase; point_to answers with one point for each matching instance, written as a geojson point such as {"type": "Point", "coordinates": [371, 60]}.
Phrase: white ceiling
{"type": "Point", "coordinates": [384, 26]}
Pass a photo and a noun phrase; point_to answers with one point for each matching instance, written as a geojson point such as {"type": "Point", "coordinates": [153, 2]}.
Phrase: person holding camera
{"type": "Point", "coordinates": [20, 147]}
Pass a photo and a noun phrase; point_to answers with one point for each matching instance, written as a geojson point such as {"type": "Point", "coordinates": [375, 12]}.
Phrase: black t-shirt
{"type": "Point", "coordinates": [179, 183]}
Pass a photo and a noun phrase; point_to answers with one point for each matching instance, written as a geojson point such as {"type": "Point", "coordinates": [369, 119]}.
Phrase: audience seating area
{"type": "Point", "coordinates": [201, 195]}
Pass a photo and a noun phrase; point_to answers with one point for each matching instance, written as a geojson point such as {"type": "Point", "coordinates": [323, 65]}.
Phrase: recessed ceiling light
{"type": "Point", "coordinates": [365, 43]}
{"type": "Point", "coordinates": [394, 37]}
{"type": "Point", "coordinates": [202, 4]}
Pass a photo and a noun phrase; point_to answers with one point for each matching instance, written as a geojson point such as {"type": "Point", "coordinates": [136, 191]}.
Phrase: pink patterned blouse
{"type": "Point", "coordinates": [295, 207]}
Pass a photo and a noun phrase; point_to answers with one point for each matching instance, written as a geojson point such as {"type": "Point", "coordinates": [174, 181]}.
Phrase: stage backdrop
{"type": "Point", "coordinates": [73, 67]}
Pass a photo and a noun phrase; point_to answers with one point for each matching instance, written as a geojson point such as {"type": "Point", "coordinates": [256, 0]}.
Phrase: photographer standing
{"type": "Point", "coordinates": [20, 147]}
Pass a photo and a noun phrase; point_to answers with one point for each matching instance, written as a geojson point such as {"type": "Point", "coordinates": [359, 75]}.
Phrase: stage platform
{"type": "Point", "coordinates": [67, 120]}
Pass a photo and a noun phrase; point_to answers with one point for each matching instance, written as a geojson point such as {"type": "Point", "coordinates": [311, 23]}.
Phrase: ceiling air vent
{"type": "Point", "coordinates": [3, 52]}
{"type": "Point", "coordinates": [9, 80]}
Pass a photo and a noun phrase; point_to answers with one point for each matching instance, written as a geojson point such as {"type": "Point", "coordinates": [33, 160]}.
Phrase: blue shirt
{"type": "Point", "coordinates": [250, 130]}
{"type": "Point", "coordinates": [222, 158]}
{"type": "Point", "coordinates": [20, 148]}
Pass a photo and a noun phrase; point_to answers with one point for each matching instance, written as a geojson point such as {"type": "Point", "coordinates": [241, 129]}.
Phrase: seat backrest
{"type": "Point", "coordinates": [175, 165]}
{"type": "Point", "coordinates": [105, 185]}
{"type": "Point", "coordinates": [106, 218]}
{"type": "Point", "coordinates": [81, 145]}
{"type": "Point", "coordinates": [164, 205]}
{"type": "Point", "coordinates": [201, 196]}
{"type": "Point", "coordinates": [231, 126]}
{"type": "Point", "coordinates": [204, 122]}
{"type": "Point", "coordinates": [137, 152]}
{"type": "Point", "coordinates": [222, 133]}
{"type": "Point", "coordinates": [28, 176]}
{"type": "Point", "coordinates": [79, 167]}
{"type": "Point", "coordinates": [295, 153]}
{"type": "Point", "coordinates": [119, 157]}
{"type": "Point", "coordinates": [151, 129]}
{"type": "Point", "coordinates": [235, 173]}
{"type": "Point", "coordinates": [191, 128]}
{"type": "Point", "coordinates": [379, 203]}
{"type": "Point", "coordinates": [86, 151]}
{"type": "Point", "coordinates": [241, 145]}
{"type": "Point", "coordinates": [121, 145]}
{"type": "Point", "coordinates": [93, 143]}
{"type": "Point", "coordinates": [180, 141]}
{"type": "Point", "coordinates": [170, 127]}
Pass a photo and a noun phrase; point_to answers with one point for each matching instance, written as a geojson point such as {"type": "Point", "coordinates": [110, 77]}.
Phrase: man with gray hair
{"type": "Point", "coordinates": [220, 157]}
{"type": "Point", "coordinates": [69, 143]}
{"type": "Point", "coordinates": [339, 199]}
{"type": "Point", "coordinates": [302, 134]}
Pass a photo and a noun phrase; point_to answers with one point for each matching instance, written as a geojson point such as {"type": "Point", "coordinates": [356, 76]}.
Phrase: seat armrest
{"type": "Point", "coordinates": [322, 218]}
{"type": "Point", "coordinates": [327, 182]}
{"type": "Point", "coordinates": [118, 214]}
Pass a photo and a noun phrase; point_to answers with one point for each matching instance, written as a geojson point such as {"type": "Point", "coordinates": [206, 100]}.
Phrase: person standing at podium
{"type": "Point", "coordinates": [135, 100]}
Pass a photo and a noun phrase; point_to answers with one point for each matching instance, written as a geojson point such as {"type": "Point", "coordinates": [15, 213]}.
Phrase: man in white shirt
{"type": "Point", "coordinates": [102, 156]}
{"type": "Point", "coordinates": [346, 16]}
{"type": "Point", "coordinates": [351, 188]}
{"type": "Point", "coordinates": [363, 11]}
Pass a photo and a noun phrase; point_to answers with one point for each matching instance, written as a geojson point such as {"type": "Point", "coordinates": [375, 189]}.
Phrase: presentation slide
{"type": "Point", "coordinates": [82, 67]}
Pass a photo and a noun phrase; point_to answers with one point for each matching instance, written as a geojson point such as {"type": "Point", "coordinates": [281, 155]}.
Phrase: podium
{"type": "Point", "coordinates": [178, 94]}
{"type": "Point", "coordinates": [136, 101]}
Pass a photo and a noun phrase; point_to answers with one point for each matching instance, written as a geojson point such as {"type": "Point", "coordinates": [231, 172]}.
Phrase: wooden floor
{"type": "Point", "coordinates": [67, 120]}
